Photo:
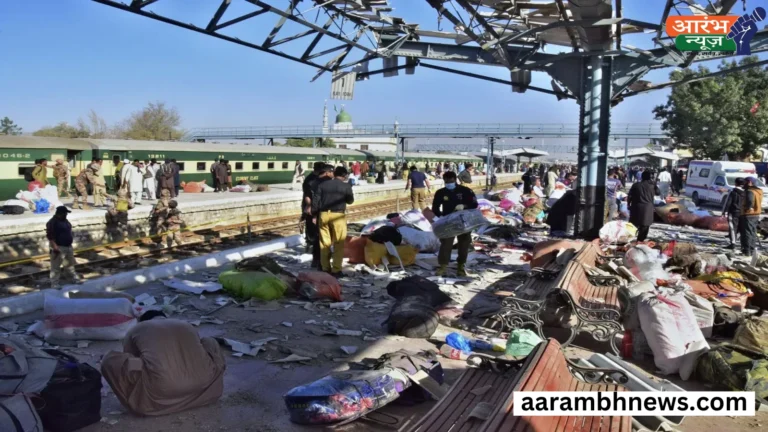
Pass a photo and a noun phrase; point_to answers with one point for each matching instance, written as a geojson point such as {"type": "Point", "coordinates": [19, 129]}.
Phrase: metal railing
{"type": "Point", "coordinates": [444, 130]}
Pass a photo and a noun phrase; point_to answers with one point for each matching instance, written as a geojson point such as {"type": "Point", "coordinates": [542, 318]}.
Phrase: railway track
{"type": "Point", "coordinates": [32, 274]}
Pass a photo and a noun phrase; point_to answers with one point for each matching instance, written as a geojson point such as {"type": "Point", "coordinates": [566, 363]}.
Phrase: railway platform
{"type": "Point", "coordinates": [23, 236]}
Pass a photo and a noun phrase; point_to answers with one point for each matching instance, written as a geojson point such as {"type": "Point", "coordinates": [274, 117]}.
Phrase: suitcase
{"type": "Point", "coordinates": [72, 397]}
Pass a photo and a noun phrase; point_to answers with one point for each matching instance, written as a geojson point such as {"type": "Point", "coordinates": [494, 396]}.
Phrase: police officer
{"type": "Point", "coordinates": [451, 198]}
{"type": "Point", "coordinates": [751, 209]}
{"type": "Point", "coordinates": [117, 223]}
{"type": "Point", "coordinates": [311, 232]}
{"type": "Point", "coordinates": [329, 203]}
{"type": "Point", "coordinates": [60, 238]}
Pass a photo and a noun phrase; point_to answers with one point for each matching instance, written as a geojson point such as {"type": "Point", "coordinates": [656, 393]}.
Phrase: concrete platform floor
{"type": "Point", "coordinates": [252, 399]}
{"type": "Point", "coordinates": [279, 192]}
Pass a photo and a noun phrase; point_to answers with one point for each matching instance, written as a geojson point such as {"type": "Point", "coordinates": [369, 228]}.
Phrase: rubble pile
{"type": "Point", "coordinates": [683, 306]}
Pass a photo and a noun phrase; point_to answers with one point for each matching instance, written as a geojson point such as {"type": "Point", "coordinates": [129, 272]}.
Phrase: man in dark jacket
{"type": "Point", "coordinates": [751, 209]}
{"type": "Point", "coordinates": [311, 232]}
{"type": "Point", "coordinates": [640, 200]}
{"type": "Point", "coordinates": [176, 177]}
{"type": "Point", "coordinates": [58, 230]}
{"type": "Point", "coordinates": [165, 178]}
{"type": "Point", "coordinates": [329, 203]}
{"type": "Point", "coordinates": [528, 181]}
{"type": "Point", "coordinates": [447, 200]}
{"type": "Point", "coordinates": [465, 177]}
{"type": "Point", "coordinates": [221, 176]}
{"type": "Point", "coordinates": [213, 175]}
{"type": "Point", "coordinates": [732, 210]}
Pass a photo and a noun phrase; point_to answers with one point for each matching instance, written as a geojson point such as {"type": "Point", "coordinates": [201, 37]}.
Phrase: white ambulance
{"type": "Point", "coordinates": [711, 181]}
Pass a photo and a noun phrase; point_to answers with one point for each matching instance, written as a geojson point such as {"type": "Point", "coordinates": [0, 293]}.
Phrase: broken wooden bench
{"type": "Point", "coordinates": [593, 299]}
{"type": "Point", "coordinates": [481, 400]}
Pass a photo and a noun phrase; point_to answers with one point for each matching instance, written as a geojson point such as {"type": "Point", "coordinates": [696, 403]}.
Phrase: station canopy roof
{"type": "Point", "coordinates": [640, 152]}
{"type": "Point", "coordinates": [525, 152]}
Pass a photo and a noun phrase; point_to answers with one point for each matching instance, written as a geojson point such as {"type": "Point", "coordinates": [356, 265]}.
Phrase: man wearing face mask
{"type": "Point", "coordinates": [447, 200]}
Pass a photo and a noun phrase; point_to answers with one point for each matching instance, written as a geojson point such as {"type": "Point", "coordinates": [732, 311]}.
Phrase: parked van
{"type": "Point", "coordinates": [711, 181]}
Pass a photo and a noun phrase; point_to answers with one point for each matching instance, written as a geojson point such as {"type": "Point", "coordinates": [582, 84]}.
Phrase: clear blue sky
{"type": "Point", "coordinates": [64, 57]}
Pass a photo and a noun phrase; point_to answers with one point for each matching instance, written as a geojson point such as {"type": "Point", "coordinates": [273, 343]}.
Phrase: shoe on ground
{"type": "Point", "coordinates": [462, 271]}
{"type": "Point", "coordinates": [731, 247]}
{"type": "Point", "coordinates": [441, 271]}
{"type": "Point", "coordinates": [337, 275]}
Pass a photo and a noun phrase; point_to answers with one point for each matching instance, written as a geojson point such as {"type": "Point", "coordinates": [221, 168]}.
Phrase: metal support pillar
{"type": "Point", "coordinates": [489, 163]}
{"type": "Point", "coordinates": [626, 150]}
{"type": "Point", "coordinates": [593, 145]}
{"type": "Point", "coordinates": [314, 142]}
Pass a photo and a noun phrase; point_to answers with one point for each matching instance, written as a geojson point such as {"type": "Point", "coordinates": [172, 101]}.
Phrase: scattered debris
{"type": "Point", "coordinates": [145, 300]}
{"type": "Point", "coordinates": [292, 359]}
{"type": "Point", "coordinates": [349, 350]}
{"type": "Point", "coordinates": [342, 305]}
{"type": "Point", "coordinates": [192, 287]}
{"type": "Point", "coordinates": [286, 324]}
{"type": "Point", "coordinates": [343, 332]}
{"type": "Point", "coordinates": [240, 347]}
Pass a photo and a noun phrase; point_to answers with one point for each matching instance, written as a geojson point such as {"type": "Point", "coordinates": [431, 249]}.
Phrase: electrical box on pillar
{"type": "Point", "coordinates": [410, 65]}
{"type": "Point", "coordinates": [391, 63]}
{"type": "Point", "coordinates": [521, 79]}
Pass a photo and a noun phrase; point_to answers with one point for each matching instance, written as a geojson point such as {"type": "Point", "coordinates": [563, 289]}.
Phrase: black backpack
{"type": "Point", "coordinates": [28, 175]}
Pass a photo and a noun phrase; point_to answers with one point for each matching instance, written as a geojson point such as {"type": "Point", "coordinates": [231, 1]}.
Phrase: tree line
{"type": "Point", "coordinates": [723, 115]}
{"type": "Point", "coordinates": [156, 121]}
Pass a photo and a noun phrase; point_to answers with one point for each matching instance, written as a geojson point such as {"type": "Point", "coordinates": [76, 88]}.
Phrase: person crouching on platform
{"type": "Point", "coordinates": [174, 223]}
{"type": "Point", "coordinates": [330, 205]}
{"type": "Point", "coordinates": [447, 200]}
{"type": "Point", "coordinates": [165, 367]}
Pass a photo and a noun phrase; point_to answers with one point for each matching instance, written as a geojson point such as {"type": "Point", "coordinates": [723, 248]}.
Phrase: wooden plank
{"type": "Point", "coordinates": [563, 421]}
{"type": "Point", "coordinates": [460, 411]}
{"type": "Point", "coordinates": [521, 381]}
{"type": "Point", "coordinates": [438, 421]}
{"type": "Point", "coordinates": [445, 403]}
{"type": "Point", "coordinates": [539, 376]}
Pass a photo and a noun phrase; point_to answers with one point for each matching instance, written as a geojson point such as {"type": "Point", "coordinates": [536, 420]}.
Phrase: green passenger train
{"type": "Point", "coordinates": [254, 163]}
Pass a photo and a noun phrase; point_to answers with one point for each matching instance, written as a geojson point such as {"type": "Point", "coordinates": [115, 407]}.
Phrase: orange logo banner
{"type": "Point", "coordinates": [699, 25]}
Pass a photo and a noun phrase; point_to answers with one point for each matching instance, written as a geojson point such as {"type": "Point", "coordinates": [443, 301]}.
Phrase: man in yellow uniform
{"type": "Point", "coordinates": [752, 208]}
{"type": "Point", "coordinates": [40, 172]}
{"type": "Point", "coordinates": [330, 206]}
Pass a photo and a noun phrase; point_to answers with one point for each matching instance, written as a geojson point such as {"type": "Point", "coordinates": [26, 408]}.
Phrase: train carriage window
{"type": "Point", "coordinates": [239, 166]}
{"type": "Point", "coordinates": [271, 165]}
{"type": "Point", "coordinates": [255, 166]}
{"type": "Point", "coordinates": [24, 167]}
{"type": "Point", "coordinates": [181, 166]}
{"type": "Point", "coordinates": [201, 166]}
{"type": "Point", "coordinates": [285, 165]}
{"type": "Point", "coordinates": [364, 147]}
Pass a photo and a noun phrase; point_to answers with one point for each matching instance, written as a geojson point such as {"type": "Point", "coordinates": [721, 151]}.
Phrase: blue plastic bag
{"type": "Point", "coordinates": [42, 206]}
{"type": "Point", "coordinates": [455, 340]}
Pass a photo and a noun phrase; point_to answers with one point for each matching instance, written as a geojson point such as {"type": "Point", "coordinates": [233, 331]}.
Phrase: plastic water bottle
{"type": "Point", "coordinates": [452, 353]}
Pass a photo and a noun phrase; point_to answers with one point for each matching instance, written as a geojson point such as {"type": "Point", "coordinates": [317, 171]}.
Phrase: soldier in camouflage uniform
{"type": "Point", "coordinates": [173, 225]}
{"type": "Point", "coordinates": [160, 212]}
{"type": "Point", "coordinates": [99, 184]}
{"type": "Point", "coordinates": [61, 173]}
{"type": "Point", "coordinates": [117, 224]}
{"type": "Point", "coordinates": [81, 182]}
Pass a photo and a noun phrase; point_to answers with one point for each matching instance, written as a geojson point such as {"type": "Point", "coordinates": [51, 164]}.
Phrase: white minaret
{"type": "Point", "coordinates": [325, 117]}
